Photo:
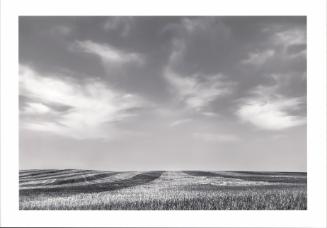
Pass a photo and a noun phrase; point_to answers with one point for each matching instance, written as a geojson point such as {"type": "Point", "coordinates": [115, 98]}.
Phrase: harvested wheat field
{"type": "Point", "coordinates": [71, 189]}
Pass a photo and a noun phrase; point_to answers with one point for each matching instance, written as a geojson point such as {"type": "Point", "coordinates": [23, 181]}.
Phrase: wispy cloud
{"type": "Point", "coordinates": [35, 108]}
{"type": "Point", "coordinates": [177, 53]}
{"type": "Point", "coordinates": [190, 31]}
{"type": "Point", "coordinates": [210, 114]}
{"type": "Point", "coordinates": [292, 41]}
{"type": "Point", "coordinates": [93, 105]}
{"type": "Point", "coordinates": [214, 137]}
{"type": "Point", "coordinates": [109, 53]}
{"type": "Point", "coordinates": [61, 30]}
{"type": "Point", "coordinates": [259, 57]}
{"type": "Point", "coordinates": [195, 24]}
{"type": "Point", "coordinates": [121, 24]}
{"type": "Point", "coordinates": [197, 91]}
{"type": "Point", "coordinates": [180, 122]}
{"type": "Point", "coordinates": [290, 37]}
{"type": "Point", "coordinates": [270, 111]}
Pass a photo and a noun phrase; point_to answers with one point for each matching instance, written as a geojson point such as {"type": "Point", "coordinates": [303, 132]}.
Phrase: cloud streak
{"type": "Point", "coordinates": [180, 122]}
{"type": "Point", "coordinates": [290, 37]}
{"type": "Point", "coordinates": [258, 58]}
{"type": "Point", "coordinates": [292, 42]}
{"type": "Point", "coordinates": [269, 111]}
{"type": "Point", "coordinates": [36, 108]}
{"type": "Point", "coordinates": [109, 54]}
{"type": "Point", "coordinates": [120, 24]}
{"type": "Point", "coordinates": [197, 91]}
{"type": "Point", "coordinates": [92, 105]}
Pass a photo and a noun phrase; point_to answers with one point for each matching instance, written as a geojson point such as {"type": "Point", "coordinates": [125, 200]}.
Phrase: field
{"type": "Point", "coordinates": [72, 189]}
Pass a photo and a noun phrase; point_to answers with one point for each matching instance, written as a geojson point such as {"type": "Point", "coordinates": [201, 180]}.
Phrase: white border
{"type": "Point", "coordinates": [315, 216]}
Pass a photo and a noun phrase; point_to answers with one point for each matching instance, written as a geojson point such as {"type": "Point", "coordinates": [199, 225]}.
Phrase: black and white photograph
{"type": "Point", "coordinates": [162, 113]}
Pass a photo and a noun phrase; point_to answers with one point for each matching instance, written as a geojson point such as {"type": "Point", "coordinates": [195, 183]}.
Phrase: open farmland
{"type": "Point", "coordinates": [72, 189]}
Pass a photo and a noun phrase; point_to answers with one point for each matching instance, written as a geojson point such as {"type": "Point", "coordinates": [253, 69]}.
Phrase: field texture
{"type": "Point", "coordinates": [72, 189]}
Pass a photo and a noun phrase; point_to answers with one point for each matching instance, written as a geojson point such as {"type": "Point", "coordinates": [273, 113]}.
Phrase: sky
{"type": "Point", "coordinates": [163, 93]}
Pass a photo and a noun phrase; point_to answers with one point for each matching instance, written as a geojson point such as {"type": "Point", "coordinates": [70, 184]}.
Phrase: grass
{"type": "Point", "coordinates": [158, 190]}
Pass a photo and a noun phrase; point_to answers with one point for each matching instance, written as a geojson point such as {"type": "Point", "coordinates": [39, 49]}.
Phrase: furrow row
{"type": "Point", "coordinates": [58, 176]}
{"type": "Point", "coordinates": [71, 180]}
{"type": "Point", "coordinates": [84, 187]}
{"type": "Point", "coordinates": [45, 173]}
{"type": "Point", "coordinates": [251, 178]}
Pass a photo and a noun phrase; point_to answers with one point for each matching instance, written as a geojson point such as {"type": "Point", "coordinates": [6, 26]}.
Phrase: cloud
{"type": "Point", "coordinates": [177, 53]}
{"type": "Point", "coordinates": [210, 114]}
{"type": "Point", "coordinates": [110, 54]}
{"type": "Point", "coordinates": [269, 111]}
{"type": "Point", "coordinates": [186, 69]}
{"type": "Point", "coordinates": [61, 30]}
{"type": "Point", "coordinates": [222, 138]}
{"type": "Point", "coordinates": [292, 41]}
{"type": "Point", "coordinates": [93, 105]}
{"type": "Point", "coordinates": [300, 54]}
{"type": "Point", "coordinates": [197, 24]}
{"type": "Point", "coordinates": [180, 122]}
{"type": "Point", "coordinates": [290, 37]}
{"type": "Point", "coordinates": [258, 58]}
{"type": "Point", "coordinates": [197, 38]}
{"type": "Point", "coordinates": [197, 91]}
{"type": "Point", "coordinates": [36, 108]}
{"type": "Point", "coordinates": [122, 24]}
